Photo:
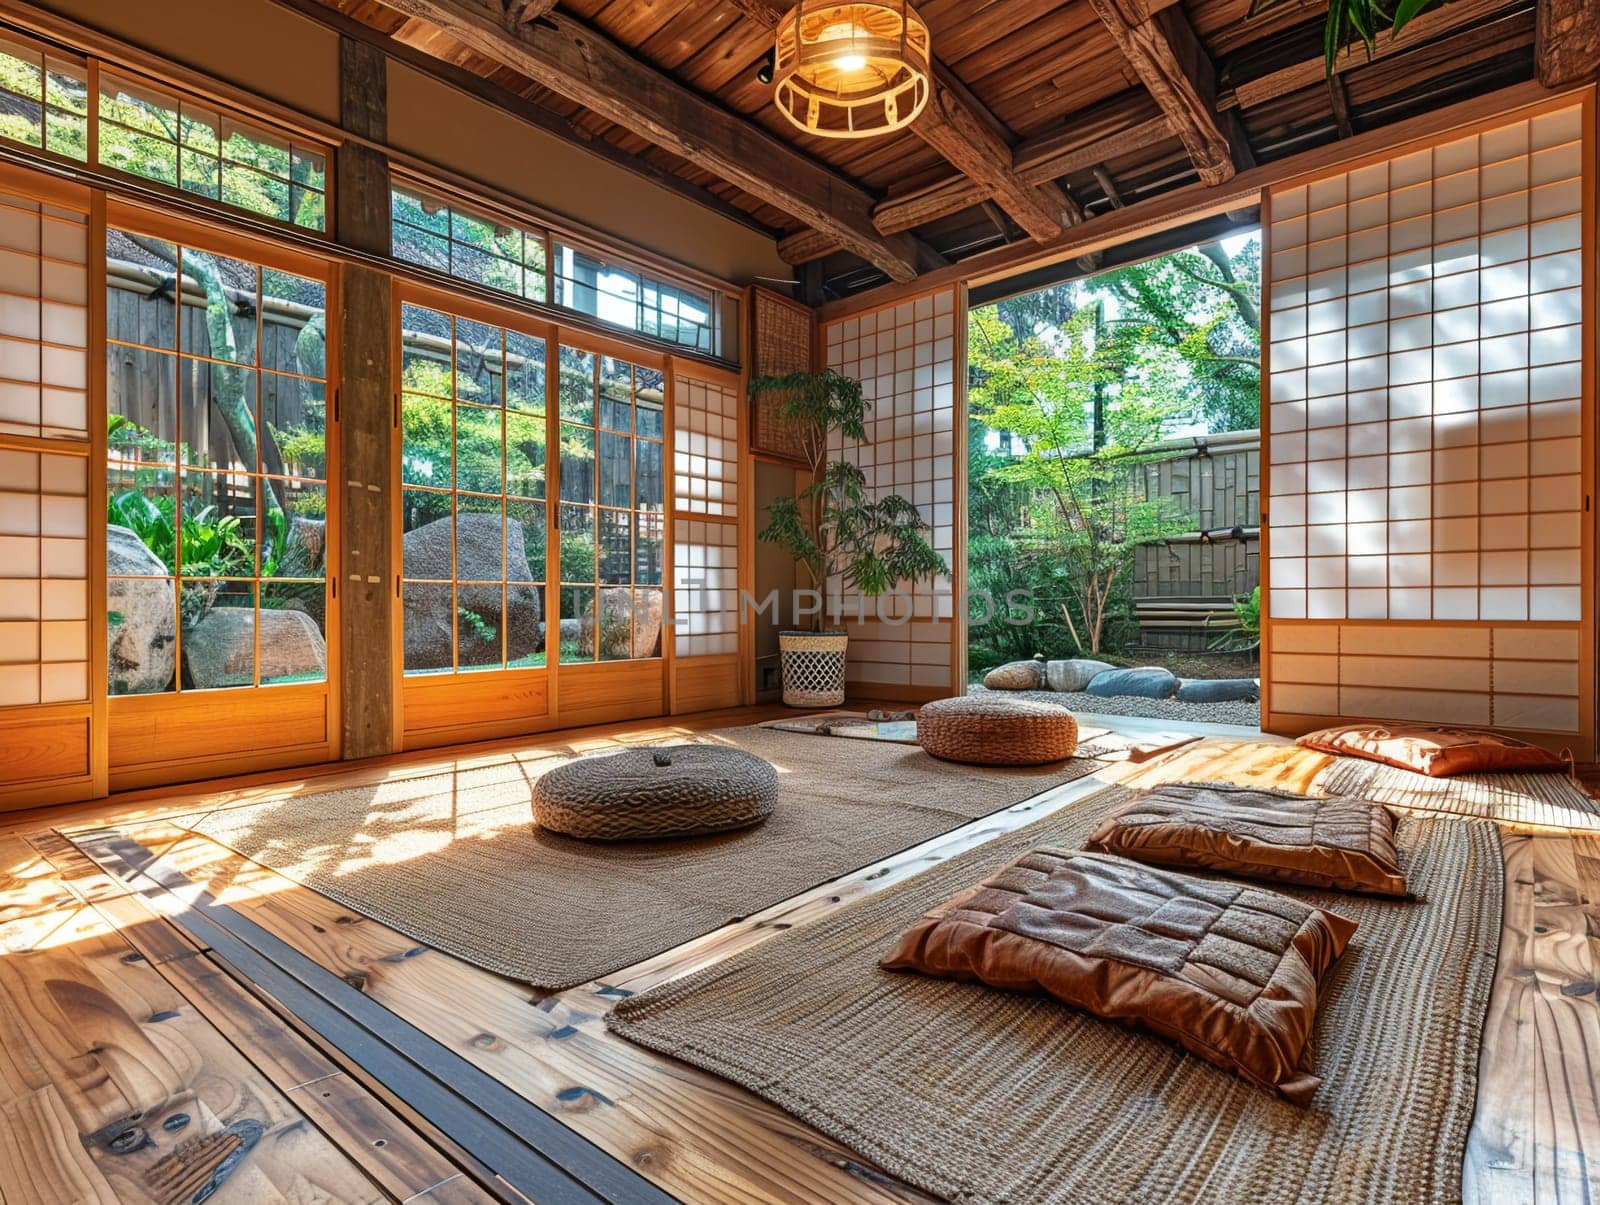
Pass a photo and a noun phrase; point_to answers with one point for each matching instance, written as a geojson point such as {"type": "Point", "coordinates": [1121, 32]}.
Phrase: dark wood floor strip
{"type": "Point", "coordinates": [531, 1150]}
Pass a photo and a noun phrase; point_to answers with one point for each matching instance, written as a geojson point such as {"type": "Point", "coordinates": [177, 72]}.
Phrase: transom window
{"type": "Point", "coordinates": [624, 296]}
{"type": "Point", "coordinates": [488, 251]}
{"type": "Point", "coordinates": [611, 518]}
{"type": "Point", "coordinates": [44, 99]}
{"type": "Point", "coordinates": [216, 470]}
{"type": "Point", "coordinates": [472, 464]}
{"type": "Point", "coordinates": [150, 133]}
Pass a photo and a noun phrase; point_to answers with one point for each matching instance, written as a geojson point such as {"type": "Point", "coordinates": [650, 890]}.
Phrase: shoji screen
{"type": "Point", "coordinates": [908, 358]}
{"type": "Point", "coordinates": [48, 649]}
{"type": "Point", "coordinates": [1429, 447]}
{"type": "Point", "coordinates": [705, 539]}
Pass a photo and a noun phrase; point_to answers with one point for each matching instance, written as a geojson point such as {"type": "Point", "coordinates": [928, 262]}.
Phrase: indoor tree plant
{"type": "Point", "coordinates": [835, 530]}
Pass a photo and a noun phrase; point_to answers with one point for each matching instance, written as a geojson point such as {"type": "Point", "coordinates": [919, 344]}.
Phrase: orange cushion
{"type": "Point", "coordinates": [1433, 749]}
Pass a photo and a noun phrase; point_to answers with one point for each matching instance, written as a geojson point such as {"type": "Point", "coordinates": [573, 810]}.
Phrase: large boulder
{"type": "Point", "coordinates": [1014, 675]}
{"type": "Point", "coordinates": [220, 650]}
{"type": "Point", "coordinates": [630, 624]}
{"type": "Point", "coordinates": [428, 618]}
{"type": "Point", "coordinates": [1074, 674]}
{"type": "Point", "coordinates": [142, 617]}
{"type": "Point", "coordinates": [1218, 690]}
{"type": "Point", "coordinates": [1147, 682]}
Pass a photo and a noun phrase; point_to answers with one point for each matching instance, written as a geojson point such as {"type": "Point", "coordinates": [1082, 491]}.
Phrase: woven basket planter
{"type": "Point", "coordinates": [997, 732]}
{"type": "Point", "coordinates": [813, 668]}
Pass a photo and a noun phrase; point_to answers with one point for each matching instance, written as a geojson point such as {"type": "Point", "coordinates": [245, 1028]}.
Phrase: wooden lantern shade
{"type": "Point", "coordinates": [851, 70]}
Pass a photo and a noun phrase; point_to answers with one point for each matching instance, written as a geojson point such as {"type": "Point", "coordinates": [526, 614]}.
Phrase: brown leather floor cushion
{"type": "Point", "coordinates": [1339, 843]}
{"type": "Point", "coordinates": [1436, 750]}
{"type": "Point", "coordinates": [1229, 971]}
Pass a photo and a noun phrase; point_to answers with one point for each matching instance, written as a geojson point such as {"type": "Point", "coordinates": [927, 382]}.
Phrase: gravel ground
{"type": "Point", "coordinates": [1248, 714]}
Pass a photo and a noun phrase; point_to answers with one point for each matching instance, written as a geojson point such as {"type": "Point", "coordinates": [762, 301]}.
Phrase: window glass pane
{"type": "Point", "coordinates": [478, 449]}
{"type": "Point", "coordinates": [647, 544]}
{"type": "Point", "coordinates": [425, 520]}
{"type": "Point", "coordinates": [616, 624]}
{"type": "Point", "coordinates": [577, 463]}
{"type": "Point", "coordinates": [525, 376]}
{"type": "Point", "coordinates": [429, 617]}
{"type": "Point", "coordinates": [577, 544]}
{"type": "Point", "coordinates": [616, 394]}
{"type": "Point", "coordinates": [525, 454]}
{"type": "Point", "coordinates": [478, 612]}
{"type": "Point", "coordinates": [525, 541]}
{"type": "Point", "coordinates": [294, 644]}
{"type": "Point", "coordinates": [425, 340]}
{"type": "Point", "coordinates": [478, 362]}
{"type": "Point", "coordinates": [616, 547]}
{"type": "Point", "coordinates": [576, 385]}
{"type": "Point", "coordinates": [616, 471]}
{"type": "Point", "coordinates": [219, 634]}
{"type": "Point", "coordinates": [294, 514]}
{"type": "Point", "coordinates": [217, 531]}
{"type": "Point", "coordinates": [647, 478]}
{"type": "Point", "coordinates": [577, 623]}
{"type": "Point", "coordinates": [650, 399]}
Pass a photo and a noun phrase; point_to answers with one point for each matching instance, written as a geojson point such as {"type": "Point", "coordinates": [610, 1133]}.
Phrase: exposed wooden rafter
{"type": "Point", "coordinates": [527, 11]}
{"type": "Point", "coordinates": [960, 127]}
{"type": "Point", "coordinates": [1312, 71]}
{"type": "Point", "coordinates": [575, 61]}
{"type": "Point", "coordinates": [1107, 131]}
{"type": "Point", "coordinates": [1166, 55]}
{"type": "Point", "coordinates": [1567, 41]}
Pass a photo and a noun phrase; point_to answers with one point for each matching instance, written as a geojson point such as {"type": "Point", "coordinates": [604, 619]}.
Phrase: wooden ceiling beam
{"type": "Point", "coordinates": [1312, 71]}
{"type": "Point", "coordinates": [963, 130]}
{"type": "Point", "coordinates": [1166, 55]}
{"type": "Point", "coordinates": [1110, 130]}
{"type": "Point", "coordinates": [528, 11]}
{"type": "Point", "coordinates": [575, 61]}
{"type": "Point", "coordinates": [1566, 41]}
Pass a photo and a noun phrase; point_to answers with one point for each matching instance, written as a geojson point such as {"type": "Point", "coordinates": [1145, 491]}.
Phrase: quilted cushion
{"type": "Point", "coordinates": [1433, 749]}
{"type": "Point", "coordinates": [1229, 971]}
{"type": "Point", "coordinates": [1339, 843]}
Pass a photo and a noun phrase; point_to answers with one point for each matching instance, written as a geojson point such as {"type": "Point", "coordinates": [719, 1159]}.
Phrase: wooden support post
{"type": "Point", "coordinates": [366, 569]}
{"type": "Point", "coordinates": [1566, 41]}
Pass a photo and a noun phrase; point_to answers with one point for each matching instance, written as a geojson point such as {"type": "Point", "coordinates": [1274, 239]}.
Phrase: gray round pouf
{"type": "Point", "coordinates": [663, 791]}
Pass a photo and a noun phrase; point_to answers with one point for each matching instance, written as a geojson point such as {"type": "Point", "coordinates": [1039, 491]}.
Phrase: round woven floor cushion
{"type": "Point", "coordinates": [620, 796]}
{"type": "Point", "coordinates": [997, 731]}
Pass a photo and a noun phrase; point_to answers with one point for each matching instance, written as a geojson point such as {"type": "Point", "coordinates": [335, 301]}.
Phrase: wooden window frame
{"type": "Point", "coordinates": [170, 736]}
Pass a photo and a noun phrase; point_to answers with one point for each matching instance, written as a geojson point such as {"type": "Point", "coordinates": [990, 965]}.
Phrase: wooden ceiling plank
{"type": "Point", "coordinates": [1116, 128]}
{"type": "Point", "coordinates": [1163, 50]}
{"type": "Point", "coordinates": [1566, 41]}
{"type": "Point", "coordinates": [957, 125]}
{"type": "Point", "coordinates": [1311, 71]}
{"type": "Point", "coordinates": [563, 54]}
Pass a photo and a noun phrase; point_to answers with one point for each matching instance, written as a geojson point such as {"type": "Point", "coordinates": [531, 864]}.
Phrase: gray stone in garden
{"type": "Point", "coordinates": [1014, 675]}
{"type": "Point", "coordinates": [1218, 690]}
{"type": "Point", "coordinates": [1147, 682]}
{"type": "Point", "coordinates": [220, 649]}
{"type": "Point", "coordinates": [427, 611]}
{"type": "Point", "coordinates": [142, 632]}
{"type": "Point", "coordinates": [1073, 674]}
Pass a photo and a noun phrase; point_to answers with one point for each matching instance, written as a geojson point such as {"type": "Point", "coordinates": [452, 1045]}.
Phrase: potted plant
{"type": "Point", "coordinates": [835, 530]}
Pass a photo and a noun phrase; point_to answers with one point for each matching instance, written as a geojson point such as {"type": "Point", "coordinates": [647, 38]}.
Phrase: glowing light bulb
{"type": "Point", "coordinates": [850, 62]}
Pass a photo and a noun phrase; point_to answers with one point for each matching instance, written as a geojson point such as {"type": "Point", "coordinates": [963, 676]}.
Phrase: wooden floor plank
{"type": "Point", "coordinates": [1536, 1133]}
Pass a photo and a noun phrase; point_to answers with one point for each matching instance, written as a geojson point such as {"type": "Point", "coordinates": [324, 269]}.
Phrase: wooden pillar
{"type": "Point", "coordinates": [367, 434]}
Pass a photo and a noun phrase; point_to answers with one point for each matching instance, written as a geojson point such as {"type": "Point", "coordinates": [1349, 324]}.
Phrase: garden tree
{"type": "Point", "coordinates": [1202, 304]}
{"type": "Point", "coordinates": [1088, 507]}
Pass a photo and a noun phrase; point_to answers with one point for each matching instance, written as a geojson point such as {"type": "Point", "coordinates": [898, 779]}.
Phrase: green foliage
{"type": "Point", "coordinates": [1079, 416]}
{"type": "Point", "coordinates": [1247, 612]}
{"type": "Point", "coordinates": [832, 527]}
{"type": "Point", "coordinates": [1364, 19]}
{"type": "Point", "coordinates": [1202, 306]}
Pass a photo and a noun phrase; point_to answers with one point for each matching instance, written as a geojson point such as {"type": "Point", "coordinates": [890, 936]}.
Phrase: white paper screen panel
{"type": "Point", "coordinates": [906, 358]}
{"type": "Point", "coordinates": [44, 570]}
{"type": "Point", "coordinates": [705, 533]}
{"type": "Point", "coordinates": [706, 587]}
{"type": "Point", "coordinates": [1426, 383]}
{"type": "Point", "coordinates": [705, 447]}
{"type": "Point", "coordinates": [44, 320]}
